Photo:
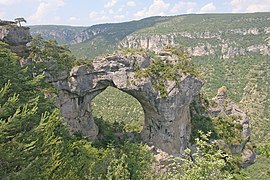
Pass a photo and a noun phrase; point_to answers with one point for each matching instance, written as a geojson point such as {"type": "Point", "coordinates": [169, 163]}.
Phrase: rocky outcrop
{"type": "Point", "coordinates": [204, 43]}
{"type": "Point", "coordinates": [167, 119]}
{"type": "Point", "coordinates": [153, 42]}
{"type": "Point", "coordinates": [201, 50]}
{"type": "Point", "coordinates": [226, 108]}
{"type": "Point", "coordinates": [89, 33]}
{"type": "Point", "coordinates": [16, 37]}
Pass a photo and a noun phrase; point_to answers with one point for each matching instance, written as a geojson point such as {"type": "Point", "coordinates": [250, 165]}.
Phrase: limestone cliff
{"type": "Point", "coordinates": [17, 37]}
{"type": "Point", "coordinates": [205, 43]}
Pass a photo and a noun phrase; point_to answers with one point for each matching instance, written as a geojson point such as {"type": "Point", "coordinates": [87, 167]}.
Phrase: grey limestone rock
{"type": "Point", "coordinates": [167, 119]}
{"type": "Point", "coordinates": [16, 37]}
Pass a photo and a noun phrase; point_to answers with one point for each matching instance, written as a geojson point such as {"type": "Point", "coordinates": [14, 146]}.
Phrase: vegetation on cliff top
{"type": "Point", "coordinates": [162, 69]}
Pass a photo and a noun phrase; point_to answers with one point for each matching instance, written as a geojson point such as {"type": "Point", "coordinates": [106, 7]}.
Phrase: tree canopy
{"type": "Point", "coordinates": [19, 20]}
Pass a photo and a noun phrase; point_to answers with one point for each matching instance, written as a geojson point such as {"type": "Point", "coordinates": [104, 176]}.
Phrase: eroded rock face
{"type": "Point", "coordinates": [225, 108]}
{"type": "Point", "coordinates": [203, 44]}
{"type": "Point", "coordinates": [16, 37]}
{"type": "Point", "coordinates": [167, 119]}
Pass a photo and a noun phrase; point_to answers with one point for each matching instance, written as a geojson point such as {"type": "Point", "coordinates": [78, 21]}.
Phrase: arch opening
{"type": "Point", "coordinates": [118, 111]}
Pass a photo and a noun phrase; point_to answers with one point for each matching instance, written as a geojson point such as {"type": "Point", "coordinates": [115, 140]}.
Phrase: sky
{"type": "Point", "coordinates": [90, 12]}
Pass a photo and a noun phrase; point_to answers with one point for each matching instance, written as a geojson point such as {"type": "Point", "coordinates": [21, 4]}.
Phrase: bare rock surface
{"type": "Point", "coordinates": [167, 119]}
{"type": "Point", "coordinates": [17, 37]}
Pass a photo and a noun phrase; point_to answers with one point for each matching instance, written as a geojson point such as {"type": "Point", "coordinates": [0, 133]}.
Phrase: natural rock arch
{"type": "Point", "coordinates": [167, 119]}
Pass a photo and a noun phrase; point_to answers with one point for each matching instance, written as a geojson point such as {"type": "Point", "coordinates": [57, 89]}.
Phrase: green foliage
{"type": "Point", "coordinates": [20, 79]}
{"type": "Point", "coordinates": [34, 144]}
{"type": "Point", "coordinates": [162, 70]}
{"type": "Point", "coordinates": [129, 161]}
{"type": "Point", "coordinates": [262, 164]}
{"type": "Point", "coordinates": [98, 46]}
{"type": "Point", "coordinates": [200, 123]}
{"type": "Point", "coordinates": [264, 149]}
{"type": "Point", "coordinates": [20, 20]}
{"type": "Point", "coordinates": [44, 149]}
{"type": "Point", "coordinates": [206, 23]}
{"type": "Point", "coordinates": [228, 130]}
{"type": "Point", "coordinates": [207, 162]}
{"type": "Point", "coordinates": [83, 61]}
{"type": "Point", "coordinates": [109, 37]}
{"type": "Point", "coordinates": [259, 170]}
{"type": "Point", "coordinates": [47, 55]}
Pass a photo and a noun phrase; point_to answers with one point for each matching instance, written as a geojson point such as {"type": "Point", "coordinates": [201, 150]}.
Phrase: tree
{"type": "Point", "coordinates": [207, 162]}
{"type": "Point", "coordinates": [19, 20]}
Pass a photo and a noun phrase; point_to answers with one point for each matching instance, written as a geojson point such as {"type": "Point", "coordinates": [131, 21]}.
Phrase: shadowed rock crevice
{"type": "Point", "coordinates": [167, 119]}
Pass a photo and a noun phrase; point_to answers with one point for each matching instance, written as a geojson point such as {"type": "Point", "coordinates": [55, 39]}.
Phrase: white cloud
{"type": "Point", "coordinates": [182, 6]}
{"type": "Point", "coordinates": [250, 5]}
{"type": "Point", "coordinates": [156, 8]}
{"type": "Point", "coordinates": [111, 11]}
{"type": "Point", "coordinates": [103, 17]}
{"type": "Point", "coordinates": [259, 7]}
{"type": "Point", "coordinates": [119, 17]}
{"type": "Point", "coordinates": [8, 2]}
{"type": "Point", "coordinates": [210, 7]}
{"type": "Point", "coordinates": [120, 9]}
{"type": "Point", "coordinates": [110, 4]}
{"type": "Point", "coordinates": [98, 16]}
{"type": "Point", "coordinates": [72, 19]}
{"type": "Point", "coordinates": [46, 7]}
{"type": "Point", "coordinates": [238, 5]}
{"type": "Point", "coordinates": [131, 3]}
